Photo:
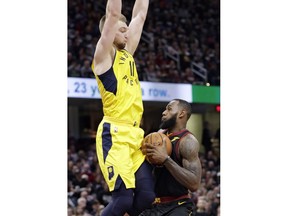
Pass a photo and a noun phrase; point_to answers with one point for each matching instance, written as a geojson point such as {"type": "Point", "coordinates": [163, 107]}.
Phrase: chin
{"type": "Point", "coordinates": [121, 46]}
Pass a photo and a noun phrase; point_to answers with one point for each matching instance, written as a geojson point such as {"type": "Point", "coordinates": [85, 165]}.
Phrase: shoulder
{"type": "Point", "coordinates": [189, 145]}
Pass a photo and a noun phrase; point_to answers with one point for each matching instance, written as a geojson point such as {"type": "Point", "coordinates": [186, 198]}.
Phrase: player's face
{"type": "Point", "coordinates": [169, 116]}
{"type": "Point", "coordinates": [121, 37]}
{"type": "Point", "coordinates": [169, 123]}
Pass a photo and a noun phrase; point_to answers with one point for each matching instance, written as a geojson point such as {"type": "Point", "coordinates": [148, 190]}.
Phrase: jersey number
{"type": "Point", "coordinates": [132, 64]}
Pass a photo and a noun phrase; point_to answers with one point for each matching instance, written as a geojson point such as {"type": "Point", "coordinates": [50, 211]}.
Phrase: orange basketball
{"type": "Point", "coordinates": [156, 139]}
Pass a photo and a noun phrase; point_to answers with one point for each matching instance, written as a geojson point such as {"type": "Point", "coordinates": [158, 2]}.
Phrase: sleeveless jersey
{"type": "Point", "coordinates": [166, 184]}
{"type": "Point", "coordinates": [119, 136]}
{"type": "Point", "coordinates": [120, 89]}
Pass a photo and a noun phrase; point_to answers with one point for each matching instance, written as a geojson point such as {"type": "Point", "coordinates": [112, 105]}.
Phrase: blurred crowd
{"type": "Point", "coordinates": [88, 193]}
{"type": "Point", "coordinates": [180, 42]}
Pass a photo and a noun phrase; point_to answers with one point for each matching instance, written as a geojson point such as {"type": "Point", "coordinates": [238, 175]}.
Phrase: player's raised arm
{"type": "Point", "coordinates": [136, 25]}
{"type": "Point", "coordinates": [104, 51]}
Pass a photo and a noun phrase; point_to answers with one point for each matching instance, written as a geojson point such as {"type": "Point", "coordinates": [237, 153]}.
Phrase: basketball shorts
{"type": "Point", "coordinates": [118, 151]}
{"type": "Point", "coordinates": [184, 207]}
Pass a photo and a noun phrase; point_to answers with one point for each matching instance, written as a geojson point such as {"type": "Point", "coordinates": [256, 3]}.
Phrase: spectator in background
{"type": "Point", "coordinates": [218, 211]}
{"type": "Point", "coordinates": [217, 134]}
{"type": "Point", "coordinates": [74, 69]}
{"type": "Point", "coordinates": [96, 208]}
{"type": "Point", "coordinates": [70, 211]}
{"type": "Point", "coordinates": [89, 199]}
{"type": "Point", "coordinates": [188, 76]}
{"type": "Point", "coordinates": [206, 137]}
{"type": "Point", "coordinates": [202, 207]}
{"type": "Point", "coordinates": [86, 70]}
{"type": "Point", "coordinates": [192, 28]}
{"type": "Point", "coordinates": [81, 202]}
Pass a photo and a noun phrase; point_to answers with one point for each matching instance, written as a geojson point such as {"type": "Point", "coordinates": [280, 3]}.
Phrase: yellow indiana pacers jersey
{"type": "Point", "coordinates": [120, 89]}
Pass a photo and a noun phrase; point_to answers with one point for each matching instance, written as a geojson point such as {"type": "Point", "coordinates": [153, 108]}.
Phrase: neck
{"type": "Point", "coordinates": [175, 129]}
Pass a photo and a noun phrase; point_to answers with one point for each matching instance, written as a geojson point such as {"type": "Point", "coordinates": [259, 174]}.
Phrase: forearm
{"type": "Point", "coordinates": [114, 7]}
{"type": "Point", "coordinates": [187, 178]}
{"type": "Point", "coordinates": [140, 9]}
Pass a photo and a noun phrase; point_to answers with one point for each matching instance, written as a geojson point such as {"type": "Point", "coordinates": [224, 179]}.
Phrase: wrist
{"type": "Point", "coordinates": [166, 159]}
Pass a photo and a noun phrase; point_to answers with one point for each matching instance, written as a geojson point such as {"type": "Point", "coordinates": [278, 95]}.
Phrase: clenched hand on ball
{"type": "Point", "coordinates": [158, 154]}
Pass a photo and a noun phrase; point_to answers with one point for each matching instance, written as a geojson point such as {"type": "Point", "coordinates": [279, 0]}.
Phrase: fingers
{"type": "Point", "coordinates": [147, 147]}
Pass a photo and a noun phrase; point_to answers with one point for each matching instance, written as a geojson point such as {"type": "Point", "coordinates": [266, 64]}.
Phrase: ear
{"type": "Point", "coordinates": [182, 113]}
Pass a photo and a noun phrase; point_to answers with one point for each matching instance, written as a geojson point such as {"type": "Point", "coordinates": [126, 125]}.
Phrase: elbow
{"type": "Point", "coordinates": [113, 10]}
{"type": "Point", "coordinates": [114, 14]}
{"type": "Point", "coordinates": [194, 187]}
{"type": "Point", "coordinates": [143, 17]}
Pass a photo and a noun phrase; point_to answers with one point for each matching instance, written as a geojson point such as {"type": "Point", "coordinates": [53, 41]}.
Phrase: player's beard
{"type": "Point", "coordinates": [120, 46]}
{"type": "Point", "coordinates": [169, 123]}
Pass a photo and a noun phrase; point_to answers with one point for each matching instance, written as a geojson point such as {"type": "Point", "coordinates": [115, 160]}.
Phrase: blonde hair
{"type": "Point", "coordinates": [102, 21]}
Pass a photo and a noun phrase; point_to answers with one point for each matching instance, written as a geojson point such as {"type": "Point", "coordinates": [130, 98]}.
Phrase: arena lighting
{"type": "Point", "coordinates": [218, 108]}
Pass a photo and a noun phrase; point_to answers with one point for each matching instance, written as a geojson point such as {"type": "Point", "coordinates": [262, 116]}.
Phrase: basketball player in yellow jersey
{"type": "Point", "coordinates": [119, 136]}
